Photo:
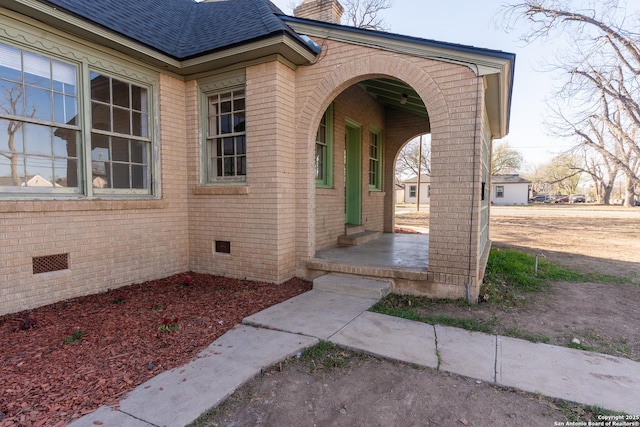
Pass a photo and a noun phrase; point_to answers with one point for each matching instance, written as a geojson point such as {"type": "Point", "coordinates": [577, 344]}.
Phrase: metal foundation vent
{"type": "Point", "coordinates": [45, 264]}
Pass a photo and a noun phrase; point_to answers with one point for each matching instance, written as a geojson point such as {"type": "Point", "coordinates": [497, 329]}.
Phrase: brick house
{"type": "Point", "coordinates": [224, 137]}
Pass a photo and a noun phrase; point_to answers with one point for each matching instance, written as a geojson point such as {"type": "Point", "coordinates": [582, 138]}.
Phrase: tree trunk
{"type": "Point", "coordinates": [629, 192]}
{"type": "Point", "coordinates": [607, 189]}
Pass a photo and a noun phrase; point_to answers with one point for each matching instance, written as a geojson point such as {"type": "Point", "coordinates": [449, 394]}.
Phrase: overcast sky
{"type": "Point", "coordinates": [473, 22]}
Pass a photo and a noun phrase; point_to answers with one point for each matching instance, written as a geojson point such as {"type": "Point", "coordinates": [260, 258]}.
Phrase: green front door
{"type": "Point", "coordinates": [353, 174]}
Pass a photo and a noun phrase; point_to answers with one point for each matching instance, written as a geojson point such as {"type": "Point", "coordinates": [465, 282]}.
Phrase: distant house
{"type": "Point", "coordinates": [399, 190]}
{"type": "Point", "coordinates": [509, 190]}
{"type": "Point", "coordinates": [411, 190]}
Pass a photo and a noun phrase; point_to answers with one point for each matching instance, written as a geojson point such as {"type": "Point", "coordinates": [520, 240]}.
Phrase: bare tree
{"type": "Point", "coordinates": [602, 172]}
{"type": "Point", "coordinates": [12, 97]}
{"type": "Point", "coordinates": [504, 159]}
{"type": "Point", "coordinates": [599, 103]}
{"type": "Point", "coordinates": [409, 159]}
{"type": "Point", "coordinates": [365, 13]}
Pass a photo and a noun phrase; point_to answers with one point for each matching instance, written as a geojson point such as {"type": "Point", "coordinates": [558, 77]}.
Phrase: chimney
{"type": "Point", "coordinates": [320, 10]}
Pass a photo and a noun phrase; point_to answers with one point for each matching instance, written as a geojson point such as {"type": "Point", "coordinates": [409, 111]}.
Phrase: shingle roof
{"type": "Point", "coordinates": [182, 29]}
{"type": "Point", "coordinates": [508, 179]}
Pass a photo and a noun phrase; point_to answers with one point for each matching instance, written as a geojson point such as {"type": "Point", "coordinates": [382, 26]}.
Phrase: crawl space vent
{"type": "Point", "coordinates": [45, 264]}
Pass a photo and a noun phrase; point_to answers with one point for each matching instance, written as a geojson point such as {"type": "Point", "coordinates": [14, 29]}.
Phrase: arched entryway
{"type": "Point", "coordinates": [357, 84]}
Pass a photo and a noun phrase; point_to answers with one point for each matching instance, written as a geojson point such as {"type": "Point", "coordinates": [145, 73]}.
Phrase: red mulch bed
{"type": "Point", "coordinates": [44, 382]}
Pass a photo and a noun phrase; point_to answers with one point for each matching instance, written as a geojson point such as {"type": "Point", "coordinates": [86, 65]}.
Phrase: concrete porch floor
{"type": "Point", "coordinates": [393, 255]}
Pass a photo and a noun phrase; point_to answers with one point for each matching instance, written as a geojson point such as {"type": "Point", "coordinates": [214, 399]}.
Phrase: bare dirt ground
{"type": "Point", "coordinates": [367, 391]}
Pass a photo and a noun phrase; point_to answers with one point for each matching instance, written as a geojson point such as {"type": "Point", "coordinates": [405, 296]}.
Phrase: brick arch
{"type": "Point", "coordinates": [350, 73]}
{"type": "Point", "coordinates": [316, 95]}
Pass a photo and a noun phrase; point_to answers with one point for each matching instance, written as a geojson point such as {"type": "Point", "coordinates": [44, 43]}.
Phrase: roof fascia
{"type": "Point", "coordinates": [279, 44]}
{"type": "Point", "coordinates": [495, 66]}
{"type": "Point", "coordinates": [481, 61]}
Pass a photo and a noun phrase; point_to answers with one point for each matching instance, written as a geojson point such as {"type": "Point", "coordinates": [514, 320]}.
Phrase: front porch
{"type": "Point", "coordinates": [402, 258]}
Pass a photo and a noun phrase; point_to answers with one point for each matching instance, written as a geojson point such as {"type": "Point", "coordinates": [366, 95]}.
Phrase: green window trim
{"type": "Point", "coordinates": [54, 118]}
{"type": "Point", "coordinates": [223, 149]}
{"type": "Point", "coordinates": [375, 159]}
{"type": "Point", "coordinates": [323, 157]}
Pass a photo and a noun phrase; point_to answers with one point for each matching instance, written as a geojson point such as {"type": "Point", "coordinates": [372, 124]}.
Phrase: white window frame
{"type": "Point", "coordinates": [499, 191]}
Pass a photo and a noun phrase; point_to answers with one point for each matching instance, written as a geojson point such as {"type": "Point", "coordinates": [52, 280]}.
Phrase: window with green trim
{"type": "Point", "coordinates": [50, 145]}
{"type": "Point", "coordinates": [375, 160]}
{"type": "Point", "coordinates": [226, 136]}
{"type": "Point", "coordinates": [324, 150]}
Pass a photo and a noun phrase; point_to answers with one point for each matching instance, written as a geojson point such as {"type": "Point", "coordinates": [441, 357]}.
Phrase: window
{"type": "Point", "coordinates": [375, 161]}
{"type": "Point", "coordinates": [39, 127]}
{"type": "Point", "coordinates": [226, 136]}
{"type": "Point", "coordinates": [324, 150]}
{"type": "Point", "coordinates": [43, 129]}
{"type": "Point", "coordinates": [412, 190]}
{"type": "Point", "coordinates": [120, 144]}
{"type": "Point", "coordinates": [499, 191]}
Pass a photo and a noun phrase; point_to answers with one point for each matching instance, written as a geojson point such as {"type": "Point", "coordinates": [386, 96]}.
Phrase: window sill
{"type": "Point", "coordinates": [220, 190]}
{"type": "Point", "coordinates": [78, 205]}
{"type": "Point", "coordinates": [377, 193]}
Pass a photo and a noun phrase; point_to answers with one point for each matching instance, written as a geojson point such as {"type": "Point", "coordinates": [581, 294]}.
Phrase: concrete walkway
{"type": "Point", "coordinates": [179, 396]}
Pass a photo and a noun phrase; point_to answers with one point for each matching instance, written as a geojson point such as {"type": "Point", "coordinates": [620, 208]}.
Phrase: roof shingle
{"type": "Point", "coordinates": [182, 28]}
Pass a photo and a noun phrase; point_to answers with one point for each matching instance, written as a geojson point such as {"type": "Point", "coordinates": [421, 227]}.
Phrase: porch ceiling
{"type": "Point", "coordinates": [395, 94]}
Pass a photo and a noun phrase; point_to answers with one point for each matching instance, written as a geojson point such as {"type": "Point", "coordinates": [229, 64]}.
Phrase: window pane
{"type": "Point", "coordinates": [100, 116]}
{"type": "Point", "coordinates": [238, 103]}
{"type": "Point", "coordinates": [120, 92]}
{"type": "Point", "coordinates": [121, 121]}
{"type": "Point", "coordinates": [62, 168]}
{"type": "Point", "coordinates": [140, 124]}
{"type": "Point", "coordinates": [38, 103]}
{"type": "Point", "coordinates": [11, 98]}
{"type": "Point", "coordinates": [120, 175]}
{"type": "Point", "coordinates": [11, 158]}
{"type": "Point", "coordinates": [39, 171]}
{"type": "Point", "coordinates": [228, 146]}
{"type": "Point", "coordinates": [65, 142]}
{"type": "Point", "coordinates": [225, 123]}
{"type": "Point", "coordinates": [120, 149]}
{"type": "Point", "coordinates": [138, 176]}
{"type": "Point", "coordinates": [10, 63]}
{"type": "Point", "coordinates": [213, 126]}
{"type": "Point", "coordinates": [37, 139]}
{"type": "Point", "coordinates": [10, 136]}
{"type": "Point", "coordinates": [64, 77]}
{"type": "Point", "coordinates": [225, 103]}
{"type": "Point", "coordinates": [238, 122]}
{"type": "Point", "coordinates": [139, 99]}
{"type": "Point", "coordinates": [218, 167]}
{"type": "Point", "coordinates": [229, 166]}
{"type": "Point", "coordinates": [241, 165]}
{"type": "Point", "coordinates": [64, 108]}
{"type": "Point", "coordinates": [99, 87]}
{"type": "Point", "coordinates": [241, 145]}
{"type": "Point", "coordinates": [37, 70]}
{"type": "Point", "coordinates": [138, 151]}
{"type": "Point", "coordinates": [319, 161]}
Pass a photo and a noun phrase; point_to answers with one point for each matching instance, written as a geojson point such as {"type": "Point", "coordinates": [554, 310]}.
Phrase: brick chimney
{"type": "Point", "coordinates": [320, 10]}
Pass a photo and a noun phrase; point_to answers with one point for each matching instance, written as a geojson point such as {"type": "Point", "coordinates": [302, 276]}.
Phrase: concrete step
{"type": "Point", "coordinates": [352, 285]}
{"type": "Point", "coordinates": [353, 229]}
{"type": "Point", "coordinates": [358, 238]}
